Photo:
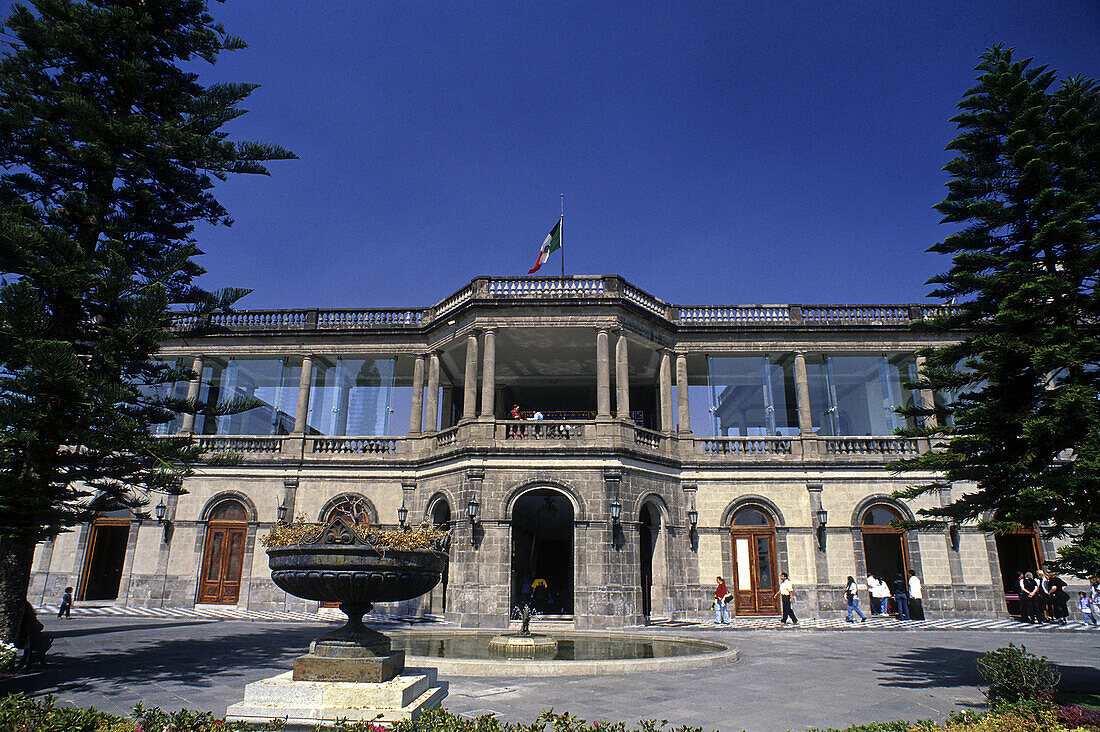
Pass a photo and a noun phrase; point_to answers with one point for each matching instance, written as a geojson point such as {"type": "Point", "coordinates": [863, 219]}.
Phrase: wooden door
{"type": "Point", "coordinates": [223, 560]}
{"type": "Point", "coordinates": [755, 578]}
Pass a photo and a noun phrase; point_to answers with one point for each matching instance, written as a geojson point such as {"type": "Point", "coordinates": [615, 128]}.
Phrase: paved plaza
{"type": "Point", "coordinates": [787, 678]}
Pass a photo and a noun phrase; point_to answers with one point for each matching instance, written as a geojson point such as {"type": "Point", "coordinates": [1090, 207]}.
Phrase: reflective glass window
{"type": "Point", "coordinates": [354, 396]}
{"type": "Point", "coordinates": [752, 396]}
{"type": "Point", "coordinates": [859, 395]}
{"type": "Point", "coordinates": [880, 516]}
{"type": "Point", "coordinates": [751, 517]}
{"type": "Point", "coordinates": [274, 382]}
{"type": "Point", "coordinates": [176, 390]}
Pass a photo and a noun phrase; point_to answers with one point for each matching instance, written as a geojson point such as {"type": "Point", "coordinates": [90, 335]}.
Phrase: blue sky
{"type": "Point", "coordinates": [712, 153]}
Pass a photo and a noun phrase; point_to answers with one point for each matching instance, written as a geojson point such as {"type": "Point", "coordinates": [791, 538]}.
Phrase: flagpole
{"type": "Point", "coordinates": [561, 235]}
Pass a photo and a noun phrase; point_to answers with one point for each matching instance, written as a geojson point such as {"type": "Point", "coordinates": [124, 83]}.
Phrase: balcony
{"type": "Point", "coordinates": [566, 437]}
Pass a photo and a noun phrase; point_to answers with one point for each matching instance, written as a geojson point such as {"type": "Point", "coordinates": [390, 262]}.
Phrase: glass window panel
{"type": "Point", "coordinates": [231, 511]}
{"type": "Point", "coordinates": [214, 559]}
{"type": "Point", "coordinates": [236, 548]}
{"type": "Point", "coordinates": [751, 517]}
{"type": "Point", "coordinates": [274, 382]}
{"type": "Point", "coordinates": [879, 516]}
{"type": "Point", "coordinates": [752, 396]}
{"type": "Point", "coordinates": [355, 396]}
{"type": "Point", "coordinates": [744, 571]}
{"type": "Point", "coordinates": [859, 395]}
{"type": "Point", "coordinates": [763, 563]}
{"type": "Point", "coordinates": [175, 390]}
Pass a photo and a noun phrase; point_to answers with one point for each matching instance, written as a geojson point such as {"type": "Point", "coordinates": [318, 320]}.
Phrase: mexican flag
{"type": "Point", "coordinates": [551, 244]}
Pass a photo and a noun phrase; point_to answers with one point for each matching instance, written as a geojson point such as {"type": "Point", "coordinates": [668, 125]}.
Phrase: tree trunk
{"type": "Point", "coordinates": [15, 578]}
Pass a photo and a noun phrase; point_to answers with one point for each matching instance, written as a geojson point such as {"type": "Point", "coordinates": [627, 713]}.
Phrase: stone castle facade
{"type": "Point", "coordinates": [656, 447]}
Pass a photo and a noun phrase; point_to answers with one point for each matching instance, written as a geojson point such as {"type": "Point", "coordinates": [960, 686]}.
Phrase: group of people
{"type": "Point", "coordinates": [519, 432]}
{"type": "Point", "coordinates": [1043, 598]}
{"type": "Point", "coordinates": [897, 596]}
{"type": "Point", "coordinates": [907, 597]}
{"type": "Point", "coordinates": [1089, 603]}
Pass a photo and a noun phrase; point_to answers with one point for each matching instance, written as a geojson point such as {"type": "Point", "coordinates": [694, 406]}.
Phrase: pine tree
{"type": "Point", "coordinates": [109, 150]}
{"type": "Point", "coordinates": [1024, 420]}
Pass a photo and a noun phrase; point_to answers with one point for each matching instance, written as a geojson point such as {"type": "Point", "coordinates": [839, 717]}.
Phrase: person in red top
{"type": "Point", "coordinates": [721, 600]}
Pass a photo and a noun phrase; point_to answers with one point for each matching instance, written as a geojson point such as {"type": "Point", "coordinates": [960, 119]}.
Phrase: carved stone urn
{"type": "Point", "coordinates": [338, 566]}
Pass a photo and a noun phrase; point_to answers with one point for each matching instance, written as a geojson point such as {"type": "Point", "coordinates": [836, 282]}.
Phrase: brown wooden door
{"type": "Point", "coordinates": [222, 562]}
{"type": "Point", "coordinates": [755, 578]}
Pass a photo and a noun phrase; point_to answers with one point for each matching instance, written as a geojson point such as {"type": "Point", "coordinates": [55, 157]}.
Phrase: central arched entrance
{"type": "Point", "coordinates": [223, 554]}
{"type": "Point", "coordinates": [441, 519]}
{"type": "Point", "coordinates": [653, 564]}
{"type": "Point", "coordinates": [884, 544]}
{"type": "Point", "coordinates": [1017, 551]}
{"type": "Point", "coordinates": [542, 552]}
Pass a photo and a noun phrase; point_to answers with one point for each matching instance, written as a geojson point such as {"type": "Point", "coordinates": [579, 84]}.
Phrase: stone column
{"type": "Point", "coordinates": [469, 396]}
{"type": "Point", "coordinates": [431, 407]}
{"type": "Point", "coordinates": [416, 418]}
{"type": "Point", "coordinates": [489, 376]}
{"type": "Point", "coordinates": [927, 399]}
{"type": "Point", "coordinates": [304, 381]}
{"type": "Point", "coordinates": [622, 379]}
{"type": "Point", "coordinates": [187, 424]}
{"type": "Point", "coordinates": [603, 376]}
{"type": "Point", "coordinates": [802, 396]}
{"type": "Point", "coordinates": [682, 393]}
{"type": "Point", "coordinates": [665, 389]}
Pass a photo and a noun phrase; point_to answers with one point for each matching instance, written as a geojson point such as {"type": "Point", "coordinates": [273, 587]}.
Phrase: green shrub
{"type": "Point", "coordinates": [1014, 675]}
{"type": "Point", "coordinates": [440, 720]}
{"type": "Point", "coordinates": [8, 655]}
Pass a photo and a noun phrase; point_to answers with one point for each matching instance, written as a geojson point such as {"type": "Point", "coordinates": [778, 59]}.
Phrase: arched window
{"type": "Point", "coordinates": [355, 509]}
{"type": "Point", "coordinates": [881, 516]}
{"type": "Point", "coordinates": [755, 574]}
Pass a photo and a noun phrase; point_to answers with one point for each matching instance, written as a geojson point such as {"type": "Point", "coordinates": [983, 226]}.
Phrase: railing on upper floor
{"type": "Point", "coordinates": [549, 429]}
{"type": "Point", "coordinates": [890, 446]}
{"type": "Point", "coordinates": [746, 445]}
{"type": "Point", "coordinates": [355, 445]}
{"type": "Point", "coordinates": [240, 444]}
{"type": "Point", "coordinates": [605, 287]}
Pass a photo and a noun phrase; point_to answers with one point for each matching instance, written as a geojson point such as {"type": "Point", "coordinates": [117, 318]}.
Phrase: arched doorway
{"type": "Point", "coordinates": [884, 549]}
{"type": "Point", "coordinates": [651, 554]}
{"type": "Point", "coordinates": [756, 580]}
{"type": "Point", "coordinates": [1017, 551]}
{"type": "Point", "coordinates": [441, 519]}
{"type": "Point", "coordinates": [223, 554]}
{"type": "Point", "coordinates": [106, 555]}
{"type": "Point", "coordinates": [542, 552]}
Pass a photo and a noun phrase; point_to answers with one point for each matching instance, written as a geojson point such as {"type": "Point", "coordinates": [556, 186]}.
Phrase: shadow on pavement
{"type": "Point", "coordinates": [194, 662]}
{"type": "Point", "coordinates": [79, 632]}
{"type": "Point", "coordinates": [947, 667]}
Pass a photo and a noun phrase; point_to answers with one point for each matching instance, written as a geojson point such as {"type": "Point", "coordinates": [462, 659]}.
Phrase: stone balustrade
{"type": "Point", "coordinates": [608, 287]}
{"type": "Point", "coordinates": [532, 436]}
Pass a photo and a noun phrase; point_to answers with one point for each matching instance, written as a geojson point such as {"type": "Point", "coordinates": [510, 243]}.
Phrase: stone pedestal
{"type": "Point", "coordinates": [306, 704]}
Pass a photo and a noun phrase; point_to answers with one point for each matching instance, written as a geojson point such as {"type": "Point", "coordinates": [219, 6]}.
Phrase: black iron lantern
{"type": "Point", "coordinates": [472, 509]}
{"type": "Point", "coordinates": [953, 532]}
{"type": "Point", "coordinates": [281, 511]}
{"type": "Point", "coordinates": [693, 517]}
{"type": "Point", "coordinates": [616, 510]}
{"type": "Point", "coordinates": [822, 518]}
{"type": "Point", "coordinates": [402, 515]}
{"type": "Point", "coordinates": [161, 509]}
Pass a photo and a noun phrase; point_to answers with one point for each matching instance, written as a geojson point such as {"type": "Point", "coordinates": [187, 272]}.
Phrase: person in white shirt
{"type": "Point", "coordinates": [785, 594]}
{"type": "Point", "coordinates": [879, 592]}
{"type": "Point", "coordinates": [916, 604]}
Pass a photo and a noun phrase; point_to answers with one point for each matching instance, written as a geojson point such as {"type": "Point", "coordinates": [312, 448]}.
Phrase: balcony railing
{"type": "Point", "coordinates": [607, 287]}
{"type": "Point", "coordinates": [530, 436]}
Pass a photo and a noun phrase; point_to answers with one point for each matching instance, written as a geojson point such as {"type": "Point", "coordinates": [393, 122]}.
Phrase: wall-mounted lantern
{"type": "Point", "coordinates": [281, 511]}
{"type": "Point", "coordinates": [822, 523]}
{"type": "Point", "coordinates": [693, 518]}
{"type": "Point", "coordinates": [953, 532]}
{"type": "Point", "coordinates": [472, 509]}
{"type": "Point", "coordinates": [402, 515]}
{"type": "Point", "coordinates": [616, 510]}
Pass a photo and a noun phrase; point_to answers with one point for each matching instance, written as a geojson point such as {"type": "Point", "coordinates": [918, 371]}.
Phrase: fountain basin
{"type": "Point", "coordinates": [517, 645]}
{"type": "Point", "coordinates": [580, 653]}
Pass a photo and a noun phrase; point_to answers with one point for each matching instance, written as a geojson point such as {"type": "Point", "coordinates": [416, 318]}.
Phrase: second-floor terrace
{"type": "Point", "coordinates": [533, 378]}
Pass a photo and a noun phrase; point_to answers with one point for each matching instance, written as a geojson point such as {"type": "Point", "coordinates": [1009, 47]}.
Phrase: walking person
{"type": "Point", "coordinates": [916, 597]}
{"type": "Point", "coordinates": [1059, 600]}
{"type": "Point", "coordinates": [851, 594]}
{"type": "Point", "coordinates": [66, 603]}
{"type": "Point", "coordinates": [1044, 609]}
{"type": "Point", "coordinates": [879, 592]}
{"type": "Point", "coordinates": [786, 596]}
{"type": "Point", "coordinates": [722, 598]}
